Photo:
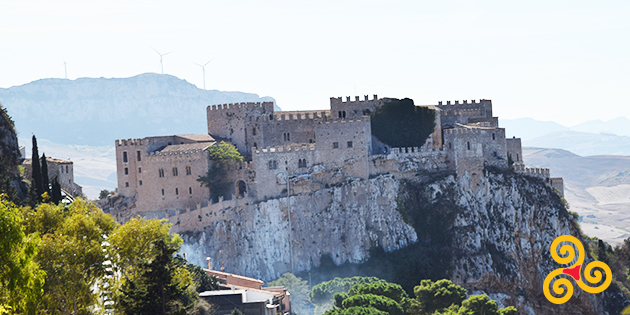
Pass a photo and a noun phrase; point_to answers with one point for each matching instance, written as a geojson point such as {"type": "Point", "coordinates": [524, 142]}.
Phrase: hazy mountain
{"type": "Point", "coordinates": [597, 187]}
{"type": "Point", "coordinates": [529, 128]}
{"type": "Point", "coordinates": [619, 126]}
{"type": "Point", "coordinates": [97, 111]}
{"type": "Point", "coordinates": [583, 143]}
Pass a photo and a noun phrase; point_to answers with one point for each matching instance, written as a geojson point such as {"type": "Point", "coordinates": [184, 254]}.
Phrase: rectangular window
{"type": "Point", "coordinates": [139, 170]}
{"type": "Point", "coordinates": [188, 170]}
{"type": "Point", "coordinates": [349, 144]}
{"type": "Point", "coordinates": [66, 168]}
{"type": "Point", "coordinates": [335, 145]}
{"type": "Point", "coordinates": [161, 172]}
{"type": "Point", "coordinates": [62, 168]}
{"type": "Point", "coordinates": [176, 191]}
{"type": "Point", "coordinates": [139, 158]}
{"type": "Point", "coordinates": [190, 190]}
{"type": "Point", "coordinates": [162, 192]}
{"type": "Point", "coordinates": [126, 171]}
{"type": "Point", "coordinates": [126, 184]}
{"type": "Point", "coordinates": [174, 171]}
{"type": "Point", "coordinates": [125, 157]}
{"type": "Point", "coordinates": [140, 183]}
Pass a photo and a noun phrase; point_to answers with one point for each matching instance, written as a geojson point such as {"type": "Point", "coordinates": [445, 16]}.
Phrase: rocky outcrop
{"type": "Point", "coordinates": [494, 233]}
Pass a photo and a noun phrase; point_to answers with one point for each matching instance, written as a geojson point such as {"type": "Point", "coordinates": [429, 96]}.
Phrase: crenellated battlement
{"type": "Point", "coordinates": [464, 102]}
{"type": "Point", "coordinates": [287, 148]}
{"type": "Point", "coordinates": [248, 105]}
{"type": "Point", "coordinates": [462, 130]}
{"type": "Point", "coordinates": [338, 100]}
{"type": "Point", "coordinates": [297, 116]}
{"type": "Point", "coordinates": [345, 121]}
{"type": "Point", "coordinates": [192, 154]}
{"type": "Point", "coordinates": [129, 142]}
{"type": "Point", "coordinates": [535, 171]}
{"type": "Point", "coordinates": [461, 112]}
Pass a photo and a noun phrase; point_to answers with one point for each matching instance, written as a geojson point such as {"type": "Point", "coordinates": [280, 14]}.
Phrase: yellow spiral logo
{"type": "Point", "coordinates": [563, 286]}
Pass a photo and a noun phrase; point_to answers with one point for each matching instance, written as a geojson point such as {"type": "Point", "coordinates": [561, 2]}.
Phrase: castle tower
{"type": "Point", "coordinates": [236, 122]}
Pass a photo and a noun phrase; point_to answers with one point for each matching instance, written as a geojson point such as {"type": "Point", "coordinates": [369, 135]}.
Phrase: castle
{"type": "Point", "coordinates": [293, 152]}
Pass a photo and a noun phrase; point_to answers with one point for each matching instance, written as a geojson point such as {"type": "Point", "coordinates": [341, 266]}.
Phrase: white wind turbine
{"type": "Point", "coordinates": [65, 69]}
{"type": "Point", "coordinates": [161, 55]}
{"type": "Point", "coordinates": [203, 68]}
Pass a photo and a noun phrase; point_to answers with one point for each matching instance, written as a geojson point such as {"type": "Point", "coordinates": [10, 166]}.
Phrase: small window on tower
{"type": "Point", "coordinates": [162, 192]}
{"type": "Point", "coordinates": [188, 170]}
{"type": "Point", "coordinates": [468, 144]}
{"type": "Point", "coordinates": [254, 131]}
{"type": "Point", "coordinates": [174, 171]}
{"type": "Point", "coordinates": [176, 191]}
{"type": "Point", "coordinates": [349, 144]}
{"type": "Point", "coordinates": [139, 170]}
{"type": "Point", "coordinates": [126, 184]}
{"type": "Point", "coordinates": [190, 190]}
{"type": "Point", "coordinates": [126, 171]}
{"type": "Point", "coordinates": [161, 172]}
{"type": "Point", "coordinates": [125, 157]}
{"type": "Point", "coordinates": [139, 157]}
{"type": "Point", "coordinates": [140, 183]}
{"type": "Point", "coordinates": [335, 145]}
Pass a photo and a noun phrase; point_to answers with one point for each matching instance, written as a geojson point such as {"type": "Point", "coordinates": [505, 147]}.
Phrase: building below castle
{"type": "Point", "coordinates": [63, 170]}
{"type": "Point", "coordinates": [293, 152]}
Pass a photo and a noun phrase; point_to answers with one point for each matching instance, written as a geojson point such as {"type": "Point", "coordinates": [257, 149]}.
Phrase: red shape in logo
{"type": "Point", "coordinates": [573, 272]}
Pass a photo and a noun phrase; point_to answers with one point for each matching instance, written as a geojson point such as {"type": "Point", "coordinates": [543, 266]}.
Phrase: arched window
{"type": "Point", "coordinates": [241, 188]}
{"type": "Point", "coordinates": [270, 116]}
{"type": "Point", "coordinates": [255, 146]}
{"type": "Point", "coordinates": [468, 143]}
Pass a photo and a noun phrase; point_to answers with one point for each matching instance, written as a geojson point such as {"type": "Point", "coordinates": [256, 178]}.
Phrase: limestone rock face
{"type": "Point", "coordinates": [503, 226]}
{"type": "Point", "coordinates": [343, 222]}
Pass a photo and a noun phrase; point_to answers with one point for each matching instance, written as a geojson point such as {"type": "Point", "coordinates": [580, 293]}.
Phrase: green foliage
{"type": "Point", "coordinates": [391, 290]}
{"type": "Point", "coordinates": [103, 194]}
{"type": "Point", "coordinates": [378, 302]}
{"type": "Point", "coordinates": [37, 179]}
{"type": "Point", "coordinates": [338, 299]}
{"type": "Point", "coordinates": [45, 179]}
{"type": "Point", "coordinates": [299, 292]}
{"type": "Point", "coordinates": [202, 282]}
{"type": "Point", "coordinates": [222, 155]}
{"type": "Point", "coordinates": [21, 280]}
{"type": "Point", "coordinates": [132, 243]}
{"type": "Point", "coordinates": [510, 161]}
{"type": "Point", "coordinates": [158, 289]}
{"type": "Point", "coordinates": [323, 292]}
{"type": "Point", "coordinates": [482, 305]}
{"type": "Point", "coordinates": [56, 191]}
{"type": "Point", "coordinates": [70, 253]}
{"type": "Point", "coordinates": [236, 311]}
{"type": "Point", "coordinates": [399, 123]}
{"type": "Point", "coordinates": [432, 296]}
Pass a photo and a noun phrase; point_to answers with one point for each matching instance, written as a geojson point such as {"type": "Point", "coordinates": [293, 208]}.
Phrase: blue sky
{"type": "Point", "coordinates": [566, 61]}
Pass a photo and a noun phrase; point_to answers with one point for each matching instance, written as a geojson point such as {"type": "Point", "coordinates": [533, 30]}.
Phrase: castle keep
{"type": "Point", "coordinates": [292, 152]}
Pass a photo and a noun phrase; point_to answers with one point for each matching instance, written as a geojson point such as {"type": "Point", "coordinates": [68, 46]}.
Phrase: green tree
{"type": "Point", "coordinates": [56, 191]}
{"type": "Point", "coordinates": [103, 194]}
{"type": "Point", "coordinates": [5, 182]}
{"type": "Point", "coordinates": [45, 179]}
{"type": "Point", "coordinates": [21, 279]}
{"type": "Point", "coordinates": [236, 311]}
{"type": "Point", "coordinates": [432, 296]}
{"type": "Point", "coordinates": [36, 175]}
{"type": "Point", "coordinates": [482, 305]}
{"type": "Point", "coordinates": [131, 243]}
{"type": "Point", "coordinates": [322, 294]}
{"type": "Point", "coordinates": [158, 290]}
{"type": "Point", "coordinates": [201, 280]}
{"type": "Point", "coordinates": [222, 156]}
{"type": "Point", "coordinates": [298, 289]}
{"type": "Point", "coordinates": [378, 302]}
{"type": "Point", "coordinates": [70, 253]}
{"type": "Point", "coordinates": [399, 123]}
{"type": "Point", "coordinates": [391, 290]}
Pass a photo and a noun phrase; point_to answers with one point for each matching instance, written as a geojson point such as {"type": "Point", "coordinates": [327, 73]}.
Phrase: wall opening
{"type": "Point", "coordinates": [124, 157]}
{"type": "Point", "coordinates": [139, 157]}
{"type": "Point", "coordinates": [468, 144]}
{"type": "Point", "coordinates": [241, 189]}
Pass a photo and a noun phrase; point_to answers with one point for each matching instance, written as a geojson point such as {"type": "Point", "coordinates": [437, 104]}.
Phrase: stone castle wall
{"type": "Point", "coordinates": [231, 121]}
{"type": "Point", "coordinates": [63, 170]}
{"type": "Point", "coordinates": [514, 150]}
{"type": "Point", "coordinates": [354, 109]}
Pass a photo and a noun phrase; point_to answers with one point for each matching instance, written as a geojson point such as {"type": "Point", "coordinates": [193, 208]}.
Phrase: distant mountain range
{"type": "Point", "coordinates": [589, 138]}
{"type": "Point", "coordinates": [97, 111]}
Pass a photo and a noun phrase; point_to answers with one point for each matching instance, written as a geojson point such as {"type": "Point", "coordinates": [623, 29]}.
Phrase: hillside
{"type": "Point", "coordinates": [597, 187]}
{"type": "Point", "coordinates": [97, 111]}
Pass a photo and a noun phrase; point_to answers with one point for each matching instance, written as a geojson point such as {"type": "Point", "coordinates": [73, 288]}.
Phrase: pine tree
{"type": "Point", "coordinates": [155, 291]}
{"type": "Point", "coordinates": [56, 191]}
{"type": "Point", "coordinates": [37, 180]}
{"type": "Point", "coordinates": [45, 179]}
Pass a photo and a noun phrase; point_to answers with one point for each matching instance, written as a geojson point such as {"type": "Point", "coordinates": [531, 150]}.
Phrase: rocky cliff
{"type": "Point", "coordinates": [490, 236]}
